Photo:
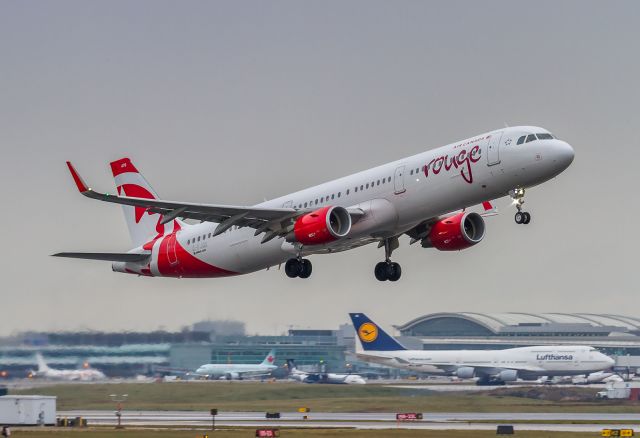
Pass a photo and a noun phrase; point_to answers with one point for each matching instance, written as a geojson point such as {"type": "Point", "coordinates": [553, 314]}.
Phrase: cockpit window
{"type": "Point", "coordinates": [545, 136]}
{"type": "Point", "coordinates": [531, 137]}
{"type": "Point", "coordinates": [521, 139]}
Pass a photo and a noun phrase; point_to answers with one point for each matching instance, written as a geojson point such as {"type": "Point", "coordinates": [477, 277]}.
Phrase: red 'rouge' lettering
{"type": "Point", "coordinates": [463, 161]}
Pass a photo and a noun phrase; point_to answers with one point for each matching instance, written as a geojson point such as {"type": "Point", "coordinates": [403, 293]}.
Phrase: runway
{"type": "Point", "coordinates": [433, 421]}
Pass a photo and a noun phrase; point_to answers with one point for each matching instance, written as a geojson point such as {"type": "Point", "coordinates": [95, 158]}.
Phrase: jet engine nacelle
{"type": "Point", "coordinates": [231, 376]}
{"type": "Point", "coordinates": [466, 372]}
{"type": "Point", "coordinates": [507, 375]}
{"type": "Point", "coordinates": [321, 226]}
{"type": "Point", "coordinates": [457, 232]}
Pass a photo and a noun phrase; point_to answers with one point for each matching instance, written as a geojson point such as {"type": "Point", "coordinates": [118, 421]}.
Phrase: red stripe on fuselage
{"type": "Point", "coordinates": [185, 264]}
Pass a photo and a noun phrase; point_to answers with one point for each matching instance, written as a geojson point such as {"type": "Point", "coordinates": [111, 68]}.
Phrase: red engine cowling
{"type": "Point", "coordinates": [321, 226]}
{"type": "Point", "coordinates": [457, 232]}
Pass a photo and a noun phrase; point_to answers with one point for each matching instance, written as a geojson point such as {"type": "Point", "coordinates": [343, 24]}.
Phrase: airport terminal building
{"type": "Point", "coordinates": [615, 335]}
{"type": "Point", "coordinates": [222, 342]}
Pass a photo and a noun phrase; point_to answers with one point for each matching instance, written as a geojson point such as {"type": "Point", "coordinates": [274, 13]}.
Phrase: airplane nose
{"type": "Point", "coordinates": [610, 361]}
{"type": "Point", "coordinates": [563, 153]}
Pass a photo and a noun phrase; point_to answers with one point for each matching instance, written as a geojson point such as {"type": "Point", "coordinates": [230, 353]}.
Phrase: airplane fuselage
{"type": "Point", "coordinates": [393, 198]}
{"type": "Point", "coordinates": [531, 362]}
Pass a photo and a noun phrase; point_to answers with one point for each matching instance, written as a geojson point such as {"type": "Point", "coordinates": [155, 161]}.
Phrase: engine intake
{"type": "Point", "coordinates": [508, 375]}
{"type": "Point", "coordinates": [457, 232]}
{"type": "Point", "coordinates": [321, 226]}
{"type": "Point", "coordinates": [466, 372]}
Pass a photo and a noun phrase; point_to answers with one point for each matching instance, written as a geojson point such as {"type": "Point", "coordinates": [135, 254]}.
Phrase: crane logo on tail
{"type": "Point", "coordinates": [368, 332]}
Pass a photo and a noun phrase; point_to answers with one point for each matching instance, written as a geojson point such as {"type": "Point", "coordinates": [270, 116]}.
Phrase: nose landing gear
{"type": "Point", "coordinates": [388, 270]}
{"type": "Point", "coordinates": [521, 217]}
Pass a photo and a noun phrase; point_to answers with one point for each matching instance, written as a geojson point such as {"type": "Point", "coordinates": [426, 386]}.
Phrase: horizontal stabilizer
{"type": "Point", "coordinates": [106, 256]}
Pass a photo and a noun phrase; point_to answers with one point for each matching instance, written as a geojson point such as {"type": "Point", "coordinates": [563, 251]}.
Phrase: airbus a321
{"type": "Point", "coordinates": [238, 371]}
{"type": "Point", "coordinates": [425, 196]}
{"type": "Point", "coordinates": [490, 367]}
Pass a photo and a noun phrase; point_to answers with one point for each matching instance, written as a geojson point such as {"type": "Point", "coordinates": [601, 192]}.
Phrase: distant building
{"type": "Point", "coordinates": [615, 335]}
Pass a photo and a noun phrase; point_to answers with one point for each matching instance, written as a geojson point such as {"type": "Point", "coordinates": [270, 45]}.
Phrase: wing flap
{"type": "Point", "coordinates": [106, 256]}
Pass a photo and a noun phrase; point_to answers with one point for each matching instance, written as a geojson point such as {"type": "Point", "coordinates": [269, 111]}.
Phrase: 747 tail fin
{"type": "Point", "coordinates": [371, 336]}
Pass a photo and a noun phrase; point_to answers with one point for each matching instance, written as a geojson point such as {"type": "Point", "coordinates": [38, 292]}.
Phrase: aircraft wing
{"type": "Point", "coordinates": [272, 221]}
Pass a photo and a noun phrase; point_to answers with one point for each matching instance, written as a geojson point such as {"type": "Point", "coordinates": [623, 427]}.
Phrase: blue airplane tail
{"type": "Point", "coordinates": [371, 336]}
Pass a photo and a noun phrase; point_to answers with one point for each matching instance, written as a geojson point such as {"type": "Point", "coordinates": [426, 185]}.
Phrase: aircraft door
{"type": "Point", "coordinates": [493, 148]}
{"type": "Point", "coordinates": [171, 250]}
{"type": "Point", "coordinates": [398, 180]}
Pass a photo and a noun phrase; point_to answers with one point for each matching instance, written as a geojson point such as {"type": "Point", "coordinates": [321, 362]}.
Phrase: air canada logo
{"type": "Point", "coordinates": [368, 332]}
{"type": "Point", "coordinates": [270, 359]}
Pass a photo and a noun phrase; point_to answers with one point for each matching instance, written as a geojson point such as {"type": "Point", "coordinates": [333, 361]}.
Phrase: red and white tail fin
{"type": "Point", "coordinates": [143, 225]}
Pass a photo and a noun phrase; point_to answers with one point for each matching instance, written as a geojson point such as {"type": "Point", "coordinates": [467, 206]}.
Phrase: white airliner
{"type": "Point", "coordinates": [327, 378]}
{"type": "Point", "coordinates": [489, 366]}
{"type": "Point", "coordinates": [238, 371]}
{"type": "Point", "coordinates": [84, 374]}
{"type": "Point", "coordinates": [423, 196]}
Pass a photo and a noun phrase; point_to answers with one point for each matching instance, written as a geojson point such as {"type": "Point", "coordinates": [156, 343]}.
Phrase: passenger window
{"type": "Point", "coordinates": [198, 238]}
{"type": "Point", "coordinates": [361, 187]}
{"type": "Point", "coordinates": [530, 137]}
{"type": "Point", "coordinates": [321, 199]}
{"type": "Point", "coordinates": [367, 185]}
{"type": "Point", "coordinates": [371, 183]}
{"type": "Point", "coordinates": [305, 205]}
{"type": "Point", "coordinates": [209, 235]}
{"type": "Point", "coordinates": [378, 183]}
{"type": "Point", "coordinates": [411, 173]}
{"type": "Point", "coordinates": [356, 189]}
{"type": "Point", "coordinates": [316, 202]}
{"type": "Point", "coordinates": [338, 194]}
{"type": "Point", "coordinates": [521, 139]}
{"type": "Point", "coordinates": [333, 196]}
{"type": "Point", "coordinates": [389, 179]}
{"type": "Point", "coordinates": [188, 241]}
{"type": "Point", "coordinates": [347, 191]}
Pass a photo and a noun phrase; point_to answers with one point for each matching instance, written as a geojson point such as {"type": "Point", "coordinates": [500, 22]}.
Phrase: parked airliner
{"type": "Point", "coordinates": [321, 377]}
{"type": "Point", "coordinates": [425, 196]}
{"type": "Point", "coordinates": [489, 366]}
{"type": "Point", "coordinates": [238, 371]}
{"type": "Point", "coordinates": [84, 374]}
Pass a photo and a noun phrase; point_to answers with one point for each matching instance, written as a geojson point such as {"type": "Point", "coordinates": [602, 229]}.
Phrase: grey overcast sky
{"type": "Point", "coordinates": [236, 101]}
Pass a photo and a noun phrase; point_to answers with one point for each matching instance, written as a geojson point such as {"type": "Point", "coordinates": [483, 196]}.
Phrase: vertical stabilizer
{"type": "Point", "coordinates": [143, 225]}
{"type": "Point", "coordinates": [371, 336]}
{"type": "Point", "coordinates": [270, 359]}
{"type": "Point", "coordinates": [42, 365]}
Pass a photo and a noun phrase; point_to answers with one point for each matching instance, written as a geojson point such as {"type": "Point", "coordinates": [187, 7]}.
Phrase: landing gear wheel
{"type": "Point", "coordinates": [394, 271]}
{"type": "Point", "coordinates": [381, 271]}
{"type": "Point", "coordinates": [527, 218]}
{"type": "Point", "coordinates": [306, 269]}
{"type": "Point", "coordinates": [293, 268]}
{"type": "Point", "coordinates": [519, 217]}
{"type": "Point", "coordinates": [388, 271]}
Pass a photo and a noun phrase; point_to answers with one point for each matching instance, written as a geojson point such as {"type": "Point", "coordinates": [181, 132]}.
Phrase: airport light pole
{"type": "Point", "coordinates": [119, 399]}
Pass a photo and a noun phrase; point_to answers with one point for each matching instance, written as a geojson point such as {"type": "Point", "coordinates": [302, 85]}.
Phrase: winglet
{"type": "Point", "coordinates": [82, 187]}
{"type": "Point", "coordinates": [489, 209]}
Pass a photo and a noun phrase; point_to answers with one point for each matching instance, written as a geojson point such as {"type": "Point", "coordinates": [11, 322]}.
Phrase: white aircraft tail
{"type": "Point", "coordinates": [42, 365]}
{"type": "Point", "coordinates": [143, 225]}
{"type": "Point", "coordinates": [270, 359]}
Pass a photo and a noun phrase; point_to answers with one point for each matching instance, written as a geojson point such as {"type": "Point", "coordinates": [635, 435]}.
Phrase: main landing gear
{"type": "Point", "coordinates": [521, 217]}
{"type": "Point", "coordinates": [388, 270]}
{"type": "Point", "coordinates": [298, 268]}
